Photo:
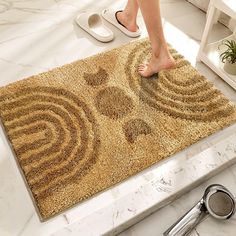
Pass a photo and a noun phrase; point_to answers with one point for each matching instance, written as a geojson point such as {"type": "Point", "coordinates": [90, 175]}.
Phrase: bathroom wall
{"type": "Point", "coordinates": [226, 20]}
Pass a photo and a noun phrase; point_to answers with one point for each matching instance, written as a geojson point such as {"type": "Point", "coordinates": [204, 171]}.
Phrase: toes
{"type": "Point", "coordinates": [142, 67]}
{"type": "Point", "coordinates": [144, 70]}
{"type": "Point", "coordinates": [141, 71]}
{"type": "Point", "coordinates": [144, 64]}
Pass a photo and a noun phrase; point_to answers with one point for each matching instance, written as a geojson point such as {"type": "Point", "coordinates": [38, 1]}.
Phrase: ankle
{"type": "Point", "coordinates": [161, 51]}
{"type": "Point", "coordinates": [125, 15]}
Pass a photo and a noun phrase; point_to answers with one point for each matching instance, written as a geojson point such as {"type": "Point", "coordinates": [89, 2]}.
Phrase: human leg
{"type": "Point", "coordinates": [128, 17]}
{"type": "Point", "coordinates": [161, 58]}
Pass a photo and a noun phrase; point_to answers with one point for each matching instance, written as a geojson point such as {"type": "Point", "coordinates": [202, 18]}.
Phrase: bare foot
{"type": "Point", "coordinates": [156, 64]}
{"type": "Point", "coordinates": [126, 21]}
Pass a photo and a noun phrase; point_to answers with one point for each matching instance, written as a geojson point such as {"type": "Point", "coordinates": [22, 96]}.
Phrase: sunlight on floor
{"type": "Point", "coordinates": [181, 41]}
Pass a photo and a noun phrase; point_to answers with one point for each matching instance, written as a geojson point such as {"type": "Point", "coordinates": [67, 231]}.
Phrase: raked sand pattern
{"type": "Point", "coordinates": [83, 127]}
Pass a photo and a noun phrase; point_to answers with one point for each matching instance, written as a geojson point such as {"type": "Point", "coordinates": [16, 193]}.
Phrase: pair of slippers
{"type": "Point", "coordinates": [92, 23]}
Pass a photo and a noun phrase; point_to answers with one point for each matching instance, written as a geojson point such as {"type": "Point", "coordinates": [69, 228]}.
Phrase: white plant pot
{"type": "Point", "coordinates": [230, 68]}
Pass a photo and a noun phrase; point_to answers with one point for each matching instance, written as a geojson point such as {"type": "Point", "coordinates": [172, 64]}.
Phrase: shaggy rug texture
{"type": "Point", "coordinates": [83, 127]}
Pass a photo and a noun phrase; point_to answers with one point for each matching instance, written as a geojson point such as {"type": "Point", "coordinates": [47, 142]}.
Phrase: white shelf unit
{"type": "Point", "coordinates": [209, 53]}
{"type": "Point", "coordinates": [211, 57]}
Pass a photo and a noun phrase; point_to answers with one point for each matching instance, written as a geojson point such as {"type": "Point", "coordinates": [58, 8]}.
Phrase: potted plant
{"type": "Point", "coordinates": [228, 56]}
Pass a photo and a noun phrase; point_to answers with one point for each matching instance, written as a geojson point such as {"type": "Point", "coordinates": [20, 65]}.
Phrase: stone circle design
{"type": "Point", "coordinates": [114, 103]}
{"type": "Point", "coordinates": [134, 128]}
{"type": "Point", "coordinates": [99, 78]}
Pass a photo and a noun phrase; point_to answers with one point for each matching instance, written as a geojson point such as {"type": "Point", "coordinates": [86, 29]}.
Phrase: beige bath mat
{"type": "Point", "coordinates": [83, 127]}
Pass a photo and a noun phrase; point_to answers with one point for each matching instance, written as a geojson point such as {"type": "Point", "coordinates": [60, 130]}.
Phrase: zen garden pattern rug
{"type": "Point", "coordinates": [83, 127]}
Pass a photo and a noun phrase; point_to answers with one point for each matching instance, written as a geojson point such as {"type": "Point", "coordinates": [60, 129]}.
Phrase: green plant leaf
{"type": "Point", "coordinates": [230, 53]}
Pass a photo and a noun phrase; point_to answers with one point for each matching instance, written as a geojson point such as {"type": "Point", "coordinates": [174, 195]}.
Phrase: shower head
{"type": "Point", "coordinates": [217, 200]}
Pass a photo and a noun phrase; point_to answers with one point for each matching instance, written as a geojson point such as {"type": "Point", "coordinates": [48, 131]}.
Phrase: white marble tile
{"type": "Point", "coordinates": [157, 223]}
{"type": "Point", "coordinates": [15, 204]}
{"type": "Point", "coordinates": [165, 182]}
{"type": "Point", "coordinates": [37, 35]}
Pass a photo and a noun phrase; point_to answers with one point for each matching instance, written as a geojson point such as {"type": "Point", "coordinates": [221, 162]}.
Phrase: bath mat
{"type": "Point", "coordinates": [83, 127]}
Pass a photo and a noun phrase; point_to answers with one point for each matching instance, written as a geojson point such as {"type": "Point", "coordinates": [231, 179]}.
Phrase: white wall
{"type": "Point", "coordinates": [203, 4]}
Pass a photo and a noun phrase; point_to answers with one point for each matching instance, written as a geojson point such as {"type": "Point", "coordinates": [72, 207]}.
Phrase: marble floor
{"type": "Point", "coordinates": [161, 220]}
{"type": "Point", "coordinates": [37, 35]}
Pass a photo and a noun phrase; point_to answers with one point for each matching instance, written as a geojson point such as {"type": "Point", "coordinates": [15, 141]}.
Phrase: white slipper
{"type": "Point", "coordinates": [92, 23]}
{"type": "Point", "coordinates": [110, 16]}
